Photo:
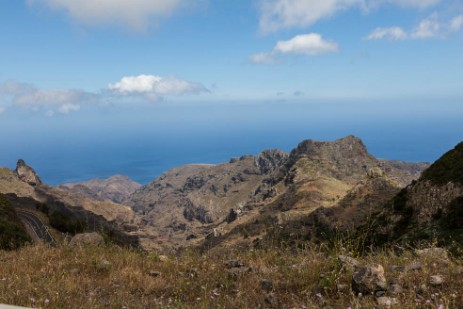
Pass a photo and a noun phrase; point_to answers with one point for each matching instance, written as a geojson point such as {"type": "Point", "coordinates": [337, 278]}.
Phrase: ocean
{"type": "Point", "coordinates": [144, 143]}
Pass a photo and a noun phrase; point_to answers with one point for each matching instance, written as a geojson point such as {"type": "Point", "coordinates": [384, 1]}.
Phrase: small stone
{"type": "Point", "coordinates": [369, 279]}
{"type": "Point", "coordinates": [386, 301]}
{"type": "Point", "coordinates": [347, 261]}
{"type": "Point", "coordinates": [104, 265]}
{"type": "Point", "coordinates": [266, 284]}
{"type": "Point", "coordinates": [234, 263]}
{"type": "Point", "coordinates": [414, 266]}
{"type": "Point", "coordinates": [396, 288]}
{"type": "Point", "coordinates": [433, 252]}
{"type": "Point", "coordinates": [163, 258]}
{"type": "Point", "coordinates": [436, 280]}
{"type": "Point", "coordinates": [239, 271]}
{"type": "Point", "coordinates": [380, 293]}
{"type": "Point", "coordinates": [399, 269]}
{"type": "Point", "coordinates": [154, 273]}
{"type": "Point", "coordinates": [270, 299]}
{"type": "Point", "coordinates": [343, 288]}
{"type": "Point", "coordinates": [423, 288]}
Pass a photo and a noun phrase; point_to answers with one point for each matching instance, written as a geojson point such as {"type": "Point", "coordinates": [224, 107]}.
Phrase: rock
{"type": "Point", "coordinates": [342, 288]}
{"type": "Point", "coordinates": [440, 253]}
{"type": "Point", "coordinates": [386, 301]}
{"type": "Point", "coordinates": [233, 264]}
{"type": "Point", "coordinates": [270, 160]}
{"type": "Point", "coordinates": [270, 299]}
{"type": "Point", "coordinates": [347, 261]}
{"type": "Point", "coordinates": [369, 279]}
{"type": "Point", "coordinates": [163, 258]}
{"type": "Point", "coordinates": [399, 269]}
{"type": "Point", "coordinates": [414, 266]}
{"type": "Point", "coordinates": [239, 271]}
{"type": "Point", "coordinates": [380, 293]}
{"type": "Point", "coordinates": [375, 172]}
{"type": "Point", "coordinates": [395, 289]}
{"type": "Point", "coordinates": [104, 265]}
{"type": "Point", "coordinates": [266, 284]}
{"type": "Point", "coordinates": [87, 239]}
{"type": "Point", "coordinates": [422, 289]}
{"type": "Point", "coordinates": [27, 174]}
{"type": "Point", "coordinates": [436, 280]}
{"type": "Point", "coordinates": [154, 273]}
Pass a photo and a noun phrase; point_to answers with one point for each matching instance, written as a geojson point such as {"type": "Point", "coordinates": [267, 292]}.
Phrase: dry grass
{"type": "Point", "coordinates": [65, 277]}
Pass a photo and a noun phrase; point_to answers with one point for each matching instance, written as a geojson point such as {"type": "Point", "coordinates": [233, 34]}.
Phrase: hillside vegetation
{"type": "Point", "coordinates": [12, 232]}
{"type": "Point", "coordinates": [449, 168]}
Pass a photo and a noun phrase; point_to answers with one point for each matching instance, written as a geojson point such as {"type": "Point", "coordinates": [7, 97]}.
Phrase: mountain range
{"type": "Point", "coordinates": [318, 191]}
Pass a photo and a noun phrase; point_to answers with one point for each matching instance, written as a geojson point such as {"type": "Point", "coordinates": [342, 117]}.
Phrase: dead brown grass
{"type": "Point", "coordinates": [65, 277]}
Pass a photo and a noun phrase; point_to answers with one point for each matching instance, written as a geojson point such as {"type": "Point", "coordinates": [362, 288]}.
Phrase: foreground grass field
{"type": "Point", "coordinates": [113, 277]}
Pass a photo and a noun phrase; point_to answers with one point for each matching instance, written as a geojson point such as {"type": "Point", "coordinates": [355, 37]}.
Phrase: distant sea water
{"type": "Point", "coordinates": [144, 143]}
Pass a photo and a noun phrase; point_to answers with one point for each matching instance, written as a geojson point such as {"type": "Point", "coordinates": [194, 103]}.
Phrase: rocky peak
{"type": "Point", "coordinates": [347, 147]}
{"type": "Point", "coordinates": [27, 173]}
{"type": "Point", "coordinates": [269, 160]}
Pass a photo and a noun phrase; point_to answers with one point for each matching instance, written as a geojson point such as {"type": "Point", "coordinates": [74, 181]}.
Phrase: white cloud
{"type": "Point", "coordinates": [138, 14]}
{"type": "Point", "coordinates": [154, 87]}
{"type": "Point", "coordinates": [281, 14]}
{"type": "Point", "coordinates": [431, 27]}
{"type": "Point", "coordinates": [306, 44]}
{"type": "Point", "coordinates": [265, 58]}
{"type": "Point", "coordinates": [68, 107]}
{"type": "Point", "coordinates": [392, 33]}
{"type": "Point", "coordinates": [421, 4]}
{"type": "Point", "coordinates": [2, 109]}
{"type": "Point", "coordinates": [311, 44]}
{"type": "Point", "coordinates": [284, 14]}
{"type": "Point", "coordinates": [456, 23]}
{"type": "Point", "coordinates": [29, 97]}
{"type": "Point", "coordinates": [428, 28]}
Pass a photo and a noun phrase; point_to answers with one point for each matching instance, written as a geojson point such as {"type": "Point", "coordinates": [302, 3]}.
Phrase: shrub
{"type": "Point", "coordinates": [12, 232]}
{"type": "Point", "coordinates": [64, 224]}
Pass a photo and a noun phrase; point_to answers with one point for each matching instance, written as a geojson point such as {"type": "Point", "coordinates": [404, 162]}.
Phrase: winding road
{"type": "Point", "coordinates": [36, 225]}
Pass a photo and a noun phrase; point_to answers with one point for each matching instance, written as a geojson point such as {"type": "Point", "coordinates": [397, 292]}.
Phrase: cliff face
{"type": "Point", "coordinates": [193, 203]}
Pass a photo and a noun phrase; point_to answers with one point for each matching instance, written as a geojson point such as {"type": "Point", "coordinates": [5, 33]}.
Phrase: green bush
{"type": "Point", "coordinates": [12, 232]}
{"type": "Point", "coordinates": [64, 224]}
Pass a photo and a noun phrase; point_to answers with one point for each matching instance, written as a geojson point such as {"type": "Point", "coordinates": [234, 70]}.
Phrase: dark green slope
{"type": "Point", "coordinates": [12, 232]}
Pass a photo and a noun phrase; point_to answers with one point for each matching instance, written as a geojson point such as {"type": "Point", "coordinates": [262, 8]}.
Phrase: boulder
{"type": "Point", "coordinates": [87, 239]}
{"type": "Point", "coordinates": [369, 279]}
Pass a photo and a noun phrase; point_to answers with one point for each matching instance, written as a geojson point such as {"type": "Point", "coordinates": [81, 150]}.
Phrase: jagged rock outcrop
{"type": "Point", "coordinates": [27, 174]}
{"type": "Point", "coordinates": [269, 160]}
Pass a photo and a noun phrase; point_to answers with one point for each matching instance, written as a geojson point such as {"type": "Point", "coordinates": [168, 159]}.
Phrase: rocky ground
{"type": "Point", "coordinates": [89, 274]}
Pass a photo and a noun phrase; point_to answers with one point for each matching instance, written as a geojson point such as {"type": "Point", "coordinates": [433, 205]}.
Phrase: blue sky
{"type": "Point", "coordinates": [77, 74]}
{"type": "Point", "coordinates": [59, 56]}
